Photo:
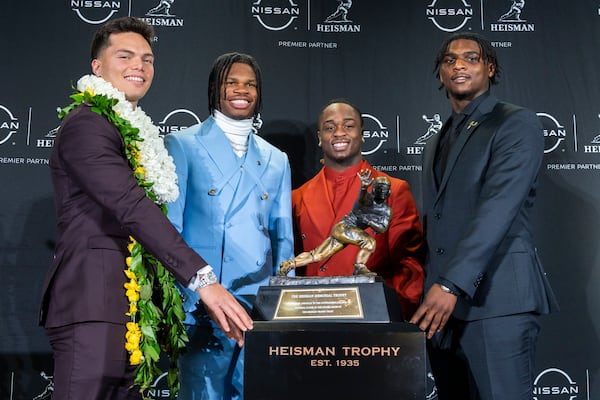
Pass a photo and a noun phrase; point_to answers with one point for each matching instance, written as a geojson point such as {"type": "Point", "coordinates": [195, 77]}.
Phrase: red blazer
{"type": "Point", "coordinates": [399, 254]}
{"type": "Point", "coordinates": [99, 204]}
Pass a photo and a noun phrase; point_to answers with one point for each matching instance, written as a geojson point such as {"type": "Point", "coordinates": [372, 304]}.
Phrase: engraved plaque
{"type": "Point", "coordinates": [321, 303]}
{"type": "Point", "coordinates": [330, 299]}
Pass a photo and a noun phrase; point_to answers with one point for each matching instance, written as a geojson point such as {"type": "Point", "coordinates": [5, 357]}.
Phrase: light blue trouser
{"type": "Point", "coordinates": [212, 366]}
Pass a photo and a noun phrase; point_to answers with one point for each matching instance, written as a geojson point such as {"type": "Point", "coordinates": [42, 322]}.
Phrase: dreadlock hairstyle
{"type": "Point", "coordinates": [220, 71]}
{"type": "Point", "coordinates": [343, 101]}
{"type": "Point", "coordinates": [101, 39]}
{"type": "Point", "coordinates": [488, 53]}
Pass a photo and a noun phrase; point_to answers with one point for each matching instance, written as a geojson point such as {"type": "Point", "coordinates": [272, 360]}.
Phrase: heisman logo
{"type": "Point", "coordinates": [95, 11]}
{"type": "Point", "coordinates": [338, 20]}
{"type": "Point", "coordinates": [8, 126]}
{"type": "Point", "coordinates": [163, 9]}
{"type": "Point", "coordinates": [511, 20]}
{"type": "Point", "coordinates": [514, 13]}
{"type": "Point", "coordinates": [275, 16]}
{"type": "Point", "coordinates": [435, 124]}
{"type": "Point", "coordinates": [450, 19]}
{"type": "Point", "coordinates": [48, 390]}
{"type": "Point", "coordinates": [160, 15]}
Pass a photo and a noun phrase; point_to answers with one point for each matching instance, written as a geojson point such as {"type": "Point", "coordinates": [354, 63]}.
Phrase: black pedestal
{"type": "Point", "coordinates": [332, 338]}
{"type": "Point", "coordinates": [330, 361]}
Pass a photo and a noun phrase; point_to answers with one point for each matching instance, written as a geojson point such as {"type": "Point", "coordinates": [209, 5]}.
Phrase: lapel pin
{"type": "Point", "coordinates": [472, 124]}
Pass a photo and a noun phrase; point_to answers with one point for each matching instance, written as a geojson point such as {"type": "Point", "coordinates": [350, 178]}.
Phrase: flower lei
{"type": "Point", "coordinates": [155, 308]}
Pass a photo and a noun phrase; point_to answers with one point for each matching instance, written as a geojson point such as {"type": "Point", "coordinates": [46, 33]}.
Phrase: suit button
{"type": "Point", "coordinates": [478, 280]}
{"type": "Point", "coordinates": [303, 236]}
{"type": "Point", "coordinates": [212, 192]}
{"type": "Point", "coordinates": [437, 215]}
{"type": "Point", "coordinates": [322, 268]}
{"type": "Point", "coordinates": [265, 196]}
{"type": "Point", "coordinates": [439, 251]}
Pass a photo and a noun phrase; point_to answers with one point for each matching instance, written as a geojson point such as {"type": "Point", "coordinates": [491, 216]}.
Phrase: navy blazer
{"type": "Point", "coordinates": [477, 221]}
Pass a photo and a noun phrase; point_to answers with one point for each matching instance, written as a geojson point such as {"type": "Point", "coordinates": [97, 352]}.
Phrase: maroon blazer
{"type": "Point", "coordinates": [99, 205]}
{"type": "Point", "coordinates": [399, 252]}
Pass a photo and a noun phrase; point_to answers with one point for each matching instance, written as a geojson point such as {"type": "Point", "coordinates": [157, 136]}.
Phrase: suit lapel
{"type": "Point", "coordinates": [469, 128]}
{"type": "Point", "coordinates": [217, 148]}
{"type": "Point", "coordinates": [253, 167]}
{"type": "Point", "coordinates": [232, 178]}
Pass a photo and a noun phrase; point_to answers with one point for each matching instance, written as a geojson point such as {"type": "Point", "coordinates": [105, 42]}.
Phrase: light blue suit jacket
{"type": "Point", "coordinates": [235, 212]}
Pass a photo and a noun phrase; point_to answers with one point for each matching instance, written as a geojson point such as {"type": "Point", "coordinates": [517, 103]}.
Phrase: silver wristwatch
{"type": "Point", "coordinates": [448, 290]}
{"type": "Point", "coordinates": [207, 279]}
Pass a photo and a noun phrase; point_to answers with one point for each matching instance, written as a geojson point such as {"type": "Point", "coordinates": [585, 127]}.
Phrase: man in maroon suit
{"type": "Point", "coordinates": [323, 201]}
{"type": "Point", "coordinates": [99, 206]}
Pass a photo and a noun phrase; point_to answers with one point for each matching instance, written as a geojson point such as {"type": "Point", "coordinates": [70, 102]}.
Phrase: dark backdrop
{"type": "Point", "coordinates": [380, 57]}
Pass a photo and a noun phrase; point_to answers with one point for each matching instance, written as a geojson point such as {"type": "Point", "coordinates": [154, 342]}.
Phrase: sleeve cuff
{"type": "Point", "coordinates": [196, 280]}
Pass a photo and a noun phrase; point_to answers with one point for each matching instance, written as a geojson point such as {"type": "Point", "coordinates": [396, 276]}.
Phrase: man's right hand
{"type": "Point", "coordinates": [434, 312]}
{"type": "Point", "coordinates": [226, 311]}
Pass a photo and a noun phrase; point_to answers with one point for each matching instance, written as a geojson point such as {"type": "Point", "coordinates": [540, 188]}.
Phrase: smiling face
{"type": "Point", "coordinates": [464, 73]}
{"type": "Point", "coordinates": [127, 63]}
{"type": "Point", "coordinates": [239, 92]}
{"type": "Point", "coordinates": [340, 135]}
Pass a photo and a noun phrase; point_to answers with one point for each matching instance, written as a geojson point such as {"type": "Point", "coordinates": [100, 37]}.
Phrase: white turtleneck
{"type": "Point", "coordinates": [236, 131]}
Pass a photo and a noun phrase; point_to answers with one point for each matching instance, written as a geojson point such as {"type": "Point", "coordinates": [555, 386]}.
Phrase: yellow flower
{"type": "Point", "coordinates": [90, 91]}
{"type": "Point", "coordinates": [132, 296]}
{"type": "Point", "coordinates": [132, 309]}
{"type": "Point", "coordinates": [130, 247]}
{"type": "Point", "coordinates": [140, 170]}
{"type": "Point", "coordinates": [132, 285]}
{"type": "Point", "coordinates": [130, 274]}
{"type": "Point", "coordinates": [128, 261]}
{"type": "Point", "coordinates": [133, 340]}
{"type": "Point", "coordinates": [135, 358]}
{"type": "Point", "coordinates": [132, 326]}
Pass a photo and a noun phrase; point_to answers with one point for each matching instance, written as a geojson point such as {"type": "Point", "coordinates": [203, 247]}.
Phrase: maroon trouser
{"type": "Point", "coordinates": [90, 362]}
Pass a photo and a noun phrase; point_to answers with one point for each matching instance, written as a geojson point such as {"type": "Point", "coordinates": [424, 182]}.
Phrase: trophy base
{"type": "Point", "coordinates": [355, 298]}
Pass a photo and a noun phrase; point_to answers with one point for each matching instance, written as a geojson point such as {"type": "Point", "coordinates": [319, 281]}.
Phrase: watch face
{"type": "Point", "coordinates": [207, 279]}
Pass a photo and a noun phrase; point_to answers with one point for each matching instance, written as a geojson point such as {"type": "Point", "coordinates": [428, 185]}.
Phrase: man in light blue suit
{"type": "Point", "coordinates": [234, 209]}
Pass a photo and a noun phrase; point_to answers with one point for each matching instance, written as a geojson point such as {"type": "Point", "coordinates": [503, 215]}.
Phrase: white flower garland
{"type": "Point", "coordinates": [156, 161]}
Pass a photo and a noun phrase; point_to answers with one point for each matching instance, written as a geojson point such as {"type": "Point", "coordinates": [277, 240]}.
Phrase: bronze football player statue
{"type": "Point", "coordinates": [370, 211]}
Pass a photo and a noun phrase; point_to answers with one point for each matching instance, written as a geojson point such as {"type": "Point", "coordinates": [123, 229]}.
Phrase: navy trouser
{"type": "Point", "coordinates": [489, 359]}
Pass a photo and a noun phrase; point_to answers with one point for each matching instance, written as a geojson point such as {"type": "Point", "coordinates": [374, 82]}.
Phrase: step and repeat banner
{"type": "Point", "coordinates": [377, 53]}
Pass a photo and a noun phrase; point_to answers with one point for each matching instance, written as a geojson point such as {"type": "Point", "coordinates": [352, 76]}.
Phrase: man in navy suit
{"type": "Point", "coordinates": [485, 287]}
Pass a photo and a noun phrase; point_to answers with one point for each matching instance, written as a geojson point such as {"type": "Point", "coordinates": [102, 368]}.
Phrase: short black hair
{"type": "Point", "coordinates": [488, 53]}
{"type": "Point", "coordinates": [101, 39]}
{"type": "Point", "coordinates": [343, 101]}
{"type": "Point", "coordinates": [218, 73]}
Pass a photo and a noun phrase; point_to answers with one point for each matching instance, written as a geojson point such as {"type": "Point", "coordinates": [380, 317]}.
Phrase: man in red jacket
{"type": "Point", "coordinates": [324, 200]}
